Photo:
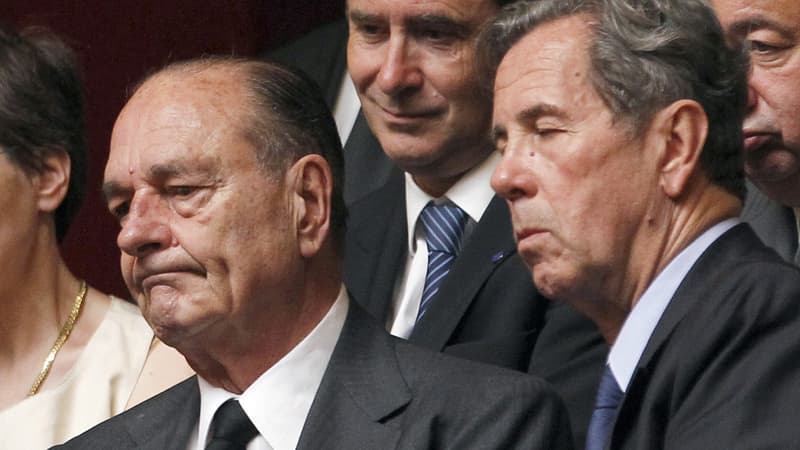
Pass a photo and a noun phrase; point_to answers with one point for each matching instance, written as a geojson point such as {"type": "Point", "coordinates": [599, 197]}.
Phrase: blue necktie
{"type": "Point", "coordinates": [609, 396]}
{"type": "Point", "coordinates": [443, 226]}
{"type": "Point", "coordinates": [232, 429]}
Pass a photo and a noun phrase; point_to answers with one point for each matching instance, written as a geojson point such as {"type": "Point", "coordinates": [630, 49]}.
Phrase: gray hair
{"type": "Point", "coordinates": [645, 55]}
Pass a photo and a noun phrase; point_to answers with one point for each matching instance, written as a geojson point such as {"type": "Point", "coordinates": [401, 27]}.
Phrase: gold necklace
{"type": "Point", "coordinates": [62, 338]}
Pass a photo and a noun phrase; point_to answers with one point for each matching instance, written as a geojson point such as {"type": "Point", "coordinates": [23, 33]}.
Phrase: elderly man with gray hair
{"type": "Point", "coordinates": [619, 125]}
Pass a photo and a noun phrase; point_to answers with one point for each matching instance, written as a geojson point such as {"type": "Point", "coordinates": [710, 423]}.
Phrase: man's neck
{"type": "Point", "coordinates": [232, 357]}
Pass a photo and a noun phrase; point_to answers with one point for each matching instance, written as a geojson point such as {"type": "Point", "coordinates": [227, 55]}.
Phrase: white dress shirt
{"type": "Point", "coordinates": [642, 320]}
{"type": "Point", "coordinates": [472, 193]}
{"type": "Point", "coordinates": [346, 108]}
{"type": "Point", "coordinates": [279, 400]}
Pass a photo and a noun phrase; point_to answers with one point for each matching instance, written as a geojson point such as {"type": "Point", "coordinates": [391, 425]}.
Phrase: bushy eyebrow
{"type": "Point", "coordinates": [529, 115]}
{"type": "Point", "coordinates": [540, 110]}
{"type": "Point", "coordinates": [418, 22]}
{"type": "Point", "coordinates": [160, 172]}
{"type": "Point", "coordinates": [759, 22]}
{"type": "Point", "coordinates": [439, 22]}
{"type": "Point", "coordinates": [362, 17]}
{"type": "Point", "coordinates": [112, 189]}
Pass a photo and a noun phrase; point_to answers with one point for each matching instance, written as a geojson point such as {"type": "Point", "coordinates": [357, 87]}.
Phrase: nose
{"type": "Point", "coordinates": [399, 70]}
{"type": "Point", "coordinates": [513, 178]}
{"type": "Point", "coordinates": [145, 228]}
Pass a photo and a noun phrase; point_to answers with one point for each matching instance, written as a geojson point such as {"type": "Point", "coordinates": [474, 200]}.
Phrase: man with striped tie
{"type": "Point", "coordinates": [431, 253]}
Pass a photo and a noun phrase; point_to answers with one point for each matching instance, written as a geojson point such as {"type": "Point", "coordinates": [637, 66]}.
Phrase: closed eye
{"type": "Point", "coordinates": [761, 47]}
{"type": "Point", "coordinates": [120, 211]}
{"type": "Point", "coordinates": [181, 191]}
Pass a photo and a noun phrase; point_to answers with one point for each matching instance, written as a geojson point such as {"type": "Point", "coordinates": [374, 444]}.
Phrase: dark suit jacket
{"type": "Point", "coordinates": [378, 392]}
{"type": "Point", "coordinates": [721, 368]}
{"type": "Point", "coordinates": [773, 223]}
{"type": "Point", "coordinates": [487, 309]}
{"type": "Point", "coordinates": [322, 54]}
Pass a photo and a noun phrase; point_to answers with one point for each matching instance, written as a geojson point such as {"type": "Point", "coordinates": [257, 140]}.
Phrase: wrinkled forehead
{"type": "Point", "coordinates": [167, 120]}
{"type": "Point", "coordinates": [556, 50]}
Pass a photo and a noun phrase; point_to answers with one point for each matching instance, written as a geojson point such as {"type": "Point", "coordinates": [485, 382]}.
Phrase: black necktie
{"type": "Point", "coordinates": [232, 429]}
{"type": "Point", "coordinates": [609, 396]}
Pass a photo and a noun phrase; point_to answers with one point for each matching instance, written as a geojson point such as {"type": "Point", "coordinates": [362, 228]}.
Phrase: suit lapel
{"type": "Point", "coordinates": [772, 222]}
{"type": "Point", "coordinates": [376, 247]}
{"type": "Point", "coordinates": [707, 267]}
{"type": "Point", "coordinates": [179, 406]}
{"type": "Point", "coordinates": [362, 387]}
{"type": "Point", "coordinates": [364, 158]}
{"type": "Point", "coordinates": [490, 244]}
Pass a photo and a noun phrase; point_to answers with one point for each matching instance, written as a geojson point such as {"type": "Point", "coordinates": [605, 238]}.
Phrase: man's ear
{"type": "Point", "coordinates": [682, 128]}
{"type": "Point", "coordinates": [52, 180]}
{"type": "Point", "coordinates": [311, 187]}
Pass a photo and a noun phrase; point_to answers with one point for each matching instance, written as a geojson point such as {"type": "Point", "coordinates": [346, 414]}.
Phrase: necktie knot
{"type": "Point", "coordinates": [232, 429]}
{"type": "Point", "coordinates": [443, 226]}
{"type": "Point", "coordinates": [609, 397]}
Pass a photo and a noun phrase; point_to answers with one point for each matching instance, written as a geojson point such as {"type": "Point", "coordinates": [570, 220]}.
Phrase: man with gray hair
{"type": "Point", "coordinates": [619, 125]}
{"type": "Point", "coordinates": [225, 175]}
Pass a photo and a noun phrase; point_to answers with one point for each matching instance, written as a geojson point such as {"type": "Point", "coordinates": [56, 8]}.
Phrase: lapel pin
{"type": "Point", "coordinates": [497, 257]}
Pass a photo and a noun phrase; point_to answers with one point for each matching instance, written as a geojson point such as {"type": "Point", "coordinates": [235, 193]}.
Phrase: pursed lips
{"type": "Point", "coordinates": [163, 276]}
{"type": "Point", "coordinates": [525, 233]}
{"type": "Point", "coordinates": [756, 140]}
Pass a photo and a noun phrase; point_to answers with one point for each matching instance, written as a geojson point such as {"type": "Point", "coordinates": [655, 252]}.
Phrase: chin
{"type": "Point", "coordinates": [549, 284]}
{"type": "Point", "coordinates": [775, 166]}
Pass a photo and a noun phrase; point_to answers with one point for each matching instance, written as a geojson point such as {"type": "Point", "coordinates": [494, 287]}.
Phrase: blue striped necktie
{"type": "Point", "coordinates": [609, 396]}
{"type": "Point", "coordinates": [443, 226]}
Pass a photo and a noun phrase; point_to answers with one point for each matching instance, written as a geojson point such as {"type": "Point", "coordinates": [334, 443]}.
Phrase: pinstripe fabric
{"type": "Point", "coordinates": [443, 226]}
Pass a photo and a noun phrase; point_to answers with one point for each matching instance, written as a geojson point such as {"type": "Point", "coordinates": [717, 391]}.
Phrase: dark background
{"type": "Point", "coordinates": [118, 42]}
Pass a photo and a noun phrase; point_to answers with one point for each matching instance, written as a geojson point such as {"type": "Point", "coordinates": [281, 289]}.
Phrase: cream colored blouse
{"type": "Point", "coordinates": [97, 387]}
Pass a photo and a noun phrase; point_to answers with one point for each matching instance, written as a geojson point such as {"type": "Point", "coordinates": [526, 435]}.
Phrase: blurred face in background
{"type": "Point", "coordinates": [770, 31]}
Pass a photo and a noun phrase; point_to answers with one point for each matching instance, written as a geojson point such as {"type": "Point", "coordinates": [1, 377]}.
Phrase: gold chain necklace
{"type": "Point", "coordinates": [62, 338]}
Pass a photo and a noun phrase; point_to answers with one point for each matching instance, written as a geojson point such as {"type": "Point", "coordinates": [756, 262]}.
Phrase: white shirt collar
{"type": "Point", "coordinates": [642, 320]}
{"type": "Point", "coordinates": [279, 400]}
{"type": "Point", "coordinates": [472, 193]}
{"type": "Point", "coordinates": [346, 109]}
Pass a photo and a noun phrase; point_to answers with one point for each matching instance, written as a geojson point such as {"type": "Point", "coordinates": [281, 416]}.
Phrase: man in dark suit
{"type": "Point", "coordinates": [225, 175]}
{"type": "Point", "coordinates": [431, 253]}
{"type": "Point", "coordinates": [620, 130]}
{"type": "Point", "coordinates": [770, 32]}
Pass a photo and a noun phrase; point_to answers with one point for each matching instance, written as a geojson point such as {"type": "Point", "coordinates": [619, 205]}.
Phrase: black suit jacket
{"type": "Point", "coordinates": [378, 392]}
{"type": "Point", "coordinates": [322, 54]}
{"type": "Point", "coordinates": [487, 309]}
{"type": "Point", "coordinates": [721, 368]}
{"type": "Point", "coordinates": [773, 223]}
